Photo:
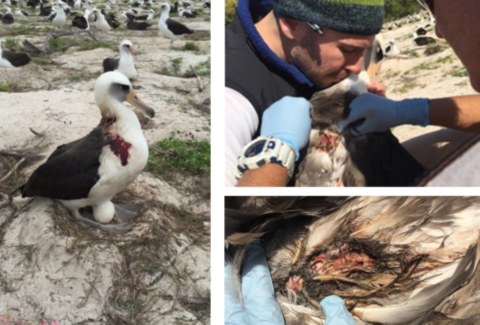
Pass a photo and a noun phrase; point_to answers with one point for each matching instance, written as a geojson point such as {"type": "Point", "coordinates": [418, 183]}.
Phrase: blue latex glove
{"type": "Point", "coordinates": [380, 114]}
{"type": "Point", "coordinates": [336, 312]}
{"type": "Point", "coordinates": [261, 307]}
{"type": "Point", "coordinates": [289, 120]}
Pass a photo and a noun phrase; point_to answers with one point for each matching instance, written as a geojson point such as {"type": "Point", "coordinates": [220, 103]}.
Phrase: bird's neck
{"type": "Point", "coordinates": [164, 15]}
{"type": "Point", "coordinates": [121, 116]}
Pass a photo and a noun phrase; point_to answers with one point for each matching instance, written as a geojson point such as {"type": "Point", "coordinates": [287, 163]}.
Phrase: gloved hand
{"type": "Point", "coordinates": [260, 304]}
{"type": "Point", "coordinates": [380, 114]}
{"type": "Point", "coordinates": [289, 120]}
{"type": "Point", "coordinates": [336, 312]}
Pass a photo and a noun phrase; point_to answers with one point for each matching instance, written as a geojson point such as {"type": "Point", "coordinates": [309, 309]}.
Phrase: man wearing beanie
{"type": "Point", "coordinates": [278, 53]}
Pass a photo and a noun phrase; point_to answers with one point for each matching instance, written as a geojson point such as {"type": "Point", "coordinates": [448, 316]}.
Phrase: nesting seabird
{"type": "Point", "coordinates": [111, 19]}
{"type": "Point", "coordinates": [45, 11]}
{"type": "Point", "coordinates": [422, 40]}
{"type": "Point", "coordinates": [185, 13]}
{"type": "Point", "coordinates": [124, 64]}
{"type": "Point", "coordinates": [131, 11]}
{"type": "Point", "coordinates": [9, 59]}
{"type": "Point", "coordinates": [169, 27]}
{"type": "Point", "coordinates": [133, 25]}
{"type": "Point", "coordinates": [101, 23]}
{"type": "Point", "coordinates": [78, 4]}
{"type": "Point", "coordinates": [60, 17]}
{"type": "Point", "coordinates": [81, 22]}
{"type": "Point", "coordinates": [91, 170]}
{"type": "Point", "coordinates": [146, 17]}
{"type": "Point", "coordinates": [7, 18]}
{"type": "Point", "coordinates": [20, 12]}
{"type": "Point", "coordinates": [420, 31]}
{"type": "Point", "coordinates": [391, 49]}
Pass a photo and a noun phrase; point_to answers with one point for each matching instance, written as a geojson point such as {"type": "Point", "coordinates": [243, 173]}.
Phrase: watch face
{"type": "Point", "coordinates": [255, 148]}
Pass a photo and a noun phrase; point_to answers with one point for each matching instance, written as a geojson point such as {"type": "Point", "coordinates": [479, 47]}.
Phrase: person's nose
{"type": "Point", "coordinates": [355, 64]}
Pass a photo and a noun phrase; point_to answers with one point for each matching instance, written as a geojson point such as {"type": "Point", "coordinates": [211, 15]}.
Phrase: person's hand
{"type": "Point", "coordinates": [289, 120]}
{"type": "Point", "coordinates": [373, 113]}
{"type": "Point", "coordinates": [260, 304]}
{"type": "Point", "coordinates": [377, 88]}
{"type": "Point", "coordinates": [336, 312]}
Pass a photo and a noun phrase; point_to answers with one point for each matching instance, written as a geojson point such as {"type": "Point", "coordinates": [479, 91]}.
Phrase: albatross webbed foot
{"type": "Point", "coordinates": [115, 229]}
{"type": "Point", "coordinates": [127, 212]}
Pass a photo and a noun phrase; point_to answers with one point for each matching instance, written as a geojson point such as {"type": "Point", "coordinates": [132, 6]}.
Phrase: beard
{"type": "Point", "coordinates": [307, 57]}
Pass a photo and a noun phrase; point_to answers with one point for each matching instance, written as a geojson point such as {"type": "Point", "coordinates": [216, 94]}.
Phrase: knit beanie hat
{"type": "Point", "coordinates": [359, 17]}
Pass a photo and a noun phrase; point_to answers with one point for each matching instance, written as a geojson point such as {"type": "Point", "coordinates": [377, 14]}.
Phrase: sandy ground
{"type": "Point", "coordinates": [56, 269]}
{"type": "Point", "coordinates": [430, 76]}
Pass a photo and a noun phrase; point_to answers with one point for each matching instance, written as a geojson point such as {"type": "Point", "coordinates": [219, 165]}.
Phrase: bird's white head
{"type": "Point", "coordinates": [165, 7]}
{"type": "Point", "coordinates": [111, 90]}
{"type": "Point", "coordinates": [127, 46]}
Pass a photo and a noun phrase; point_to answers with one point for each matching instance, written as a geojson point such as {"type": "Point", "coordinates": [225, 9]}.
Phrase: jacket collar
{"type": "Point", "coordinates": [246, 10]}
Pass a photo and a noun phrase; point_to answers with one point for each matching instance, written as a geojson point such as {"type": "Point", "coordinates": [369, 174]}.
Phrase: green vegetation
{"type": "Point", "coordinates": [406, 87]}
{"type": "Point", "coordinates": [59, 43]}
{"type": "Point", "coordinates": [230, 6]}
{"type": "Point", "coordinates": [83, 76]}
{"type": "Point", "coordinates": [188, 156]}
{"type": "Point", "coordinates": [10, 42]}
{"type": "Point", "coordinates": [40, 61]}
{"type": "Point", "coordinates": [85, 46]}
{"type": "Point", "coordinates": [15, 30]}
{"type": "Point", "coordinates": [202, 69]}
{"type": "Point", "coordinates": [176, 65]}
{"type": "Point", "coordinates": [4, 87]}
{"type": "Point", "coordinates": [413, 54]}
{"type": "Point", "coordinates": [395, 9]}
{"type": "Point", "coordinates": [460, 73]}
{"type": "Point", "coordinates": [430, 65]}
{"type": "Point", "coordinates": [191, 46]}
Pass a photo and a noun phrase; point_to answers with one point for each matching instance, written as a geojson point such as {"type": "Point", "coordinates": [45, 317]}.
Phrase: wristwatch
{"type": "Point", "coordinates": [263, 150]}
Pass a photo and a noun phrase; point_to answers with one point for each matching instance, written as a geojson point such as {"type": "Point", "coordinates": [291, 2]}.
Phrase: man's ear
{"type": "Point", "coordinates": [292, 29]}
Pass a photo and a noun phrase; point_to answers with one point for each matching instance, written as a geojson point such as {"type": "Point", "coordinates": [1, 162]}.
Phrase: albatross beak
{"type": "Point", "coordinates": [374, 71]}
{"type": "Point", "coordinates": [132, 50]}
{"type": "Point", "coordinates": [133, 99]}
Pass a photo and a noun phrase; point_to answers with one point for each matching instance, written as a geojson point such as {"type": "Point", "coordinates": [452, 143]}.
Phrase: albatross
{"type": "Point", "coordinates": [10, 59]}
{"type": "Point", "coordinates": [124, 64]}
{"type": "Point", "coordinates": [91, 170]}
{"type": "Point", "coordinates": [169, 27]}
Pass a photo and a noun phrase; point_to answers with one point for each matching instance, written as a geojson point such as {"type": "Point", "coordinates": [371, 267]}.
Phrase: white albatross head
{"type": "Point", "coordinates": [127, 47]}
{"type": "Point", "coordinates": [111, 90]}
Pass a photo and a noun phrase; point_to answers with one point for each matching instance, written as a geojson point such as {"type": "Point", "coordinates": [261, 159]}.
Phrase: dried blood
{"type": "Point", "coordinates": [120, 148]}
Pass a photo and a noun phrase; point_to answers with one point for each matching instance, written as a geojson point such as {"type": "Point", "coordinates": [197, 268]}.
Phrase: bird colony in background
{"type": "Point", "coordinates": [85, 16]}
{"type": "Point", "coordinates": [424, 22]}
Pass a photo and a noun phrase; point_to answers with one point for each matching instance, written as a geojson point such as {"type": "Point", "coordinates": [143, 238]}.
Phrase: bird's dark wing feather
{"type": "Point", "coordinates": [16, 59]}
{"type": "Point", "coordinates": [70, 171]}
{"type": "Point", "coordinates": [177, 28]}
{"type": "Point", "coordinates": [383, 160]}
{"type": "Point", "coordinates": [110, 64]}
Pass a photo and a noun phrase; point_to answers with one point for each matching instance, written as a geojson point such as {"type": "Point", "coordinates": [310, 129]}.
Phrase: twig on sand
{"type": "Point", "coordinates": [19, 155]}
{"type": "Point", "coordinates": [4, 178]}
{"type": "Point", "coordinates": [5, 200]}
{"type": "Point", "coordinates": [201, 87]}
{"type": "Point", "coordinates": [38, 134]}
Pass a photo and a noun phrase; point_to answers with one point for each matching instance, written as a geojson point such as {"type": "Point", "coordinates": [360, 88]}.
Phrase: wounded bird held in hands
{"type": "Point", "coordinates": [394, 260]}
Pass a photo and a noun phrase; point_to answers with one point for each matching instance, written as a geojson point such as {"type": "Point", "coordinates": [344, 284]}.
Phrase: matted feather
{"type": "Point", "coordinates": [395, 260]}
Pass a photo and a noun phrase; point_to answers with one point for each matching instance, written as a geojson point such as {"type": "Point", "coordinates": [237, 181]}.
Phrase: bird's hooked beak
{"type": "Point", "coordinates": [132, 51]}
{"type": "Point", "coordinates": [133, 99]}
